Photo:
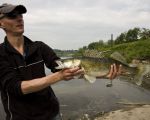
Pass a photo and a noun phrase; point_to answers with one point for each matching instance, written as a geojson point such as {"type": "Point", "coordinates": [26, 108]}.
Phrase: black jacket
{"type": "Point", "coordinates": [14, 68]}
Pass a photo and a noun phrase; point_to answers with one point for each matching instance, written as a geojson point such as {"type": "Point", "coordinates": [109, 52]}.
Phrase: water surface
{"type": "Point", "coordinates": [78, 97]}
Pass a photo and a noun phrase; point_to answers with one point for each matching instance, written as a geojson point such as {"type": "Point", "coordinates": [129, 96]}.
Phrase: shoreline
{"type": "Point", "coordinates": [131, 112]}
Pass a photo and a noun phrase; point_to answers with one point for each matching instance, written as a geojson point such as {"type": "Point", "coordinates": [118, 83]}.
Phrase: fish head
{"type": "Point", "coordinates": [68, 63]}
{"type": "Point", "coordinates": [76, 62]}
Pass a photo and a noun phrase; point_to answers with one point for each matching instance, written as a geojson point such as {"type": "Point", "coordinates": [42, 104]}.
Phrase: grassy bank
{"type": "Point", "coordinates": [133, 50]}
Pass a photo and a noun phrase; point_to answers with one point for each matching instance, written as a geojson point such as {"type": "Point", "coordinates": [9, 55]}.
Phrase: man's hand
{"type": "Point", "coordinates": [69, 73]}
{"type": "Point", "coordinates": [114, 71]}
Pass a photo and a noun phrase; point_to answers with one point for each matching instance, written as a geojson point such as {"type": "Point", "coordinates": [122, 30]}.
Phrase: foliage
{"type": "Point", "coordinates": [133, 44]}
{"type": "Point", "coordinates": [96, 45]}
{"type": "Point", "coordinates": [134, 50]}
{"type": "Point", "coordinates": [144, 33]}
{"type": "Point", "coordinates": [132, 35]}
{"type": "Point", "coordinates": [121, 38]}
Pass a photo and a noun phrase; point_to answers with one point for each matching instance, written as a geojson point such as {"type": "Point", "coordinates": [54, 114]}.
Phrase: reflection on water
{"type": "Point", "coordinates": [78, 97]}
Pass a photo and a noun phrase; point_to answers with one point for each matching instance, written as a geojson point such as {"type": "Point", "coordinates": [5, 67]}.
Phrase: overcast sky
{"type": "Point", "coordinates": [72, 24]}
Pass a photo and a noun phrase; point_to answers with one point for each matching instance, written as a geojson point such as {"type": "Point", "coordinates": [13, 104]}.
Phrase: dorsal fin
{"type": "Point", "coordinates": [117, 56]}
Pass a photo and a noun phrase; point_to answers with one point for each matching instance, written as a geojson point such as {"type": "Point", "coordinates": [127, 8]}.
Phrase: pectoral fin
{"type": "Point", "coordinates": [60, 65]}
{"type": "Point", "coordinates": [90, 79]}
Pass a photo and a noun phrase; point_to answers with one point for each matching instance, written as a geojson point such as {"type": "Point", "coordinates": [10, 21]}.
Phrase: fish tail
{"type": "Point", "coordinates": [142, 70]}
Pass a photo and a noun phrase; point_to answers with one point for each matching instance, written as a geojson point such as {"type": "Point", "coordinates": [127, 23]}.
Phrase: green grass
{"type": "Point", "coordinates": [134, 50]}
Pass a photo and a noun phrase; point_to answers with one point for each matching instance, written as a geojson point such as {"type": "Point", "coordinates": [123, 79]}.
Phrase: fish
{"type": "Point", "coordinates": [99, 65]}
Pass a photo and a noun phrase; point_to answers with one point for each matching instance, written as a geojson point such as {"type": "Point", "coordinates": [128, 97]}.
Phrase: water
{"type": "Point", "coordinates": [78, 97]}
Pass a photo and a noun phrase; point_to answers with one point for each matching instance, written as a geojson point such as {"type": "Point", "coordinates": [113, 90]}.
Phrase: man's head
{"type": "Point", "coordinates": [11, 17]}
{"type": "Point", "coordinates": [7, 9]}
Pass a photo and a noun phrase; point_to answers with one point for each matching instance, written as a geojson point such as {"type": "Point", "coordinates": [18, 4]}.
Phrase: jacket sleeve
{"type": "Point", "coordinates": [49, 57]}
{"type": "Point", "coordinates": [9, 79]}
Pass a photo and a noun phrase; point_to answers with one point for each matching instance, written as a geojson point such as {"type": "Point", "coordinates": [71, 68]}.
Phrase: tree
{"type": "Point", "coordinates": [96, 45]}
{"type": "Point", "coordinates": [132, 35]}
{"type": "Point", "coordinates": [121, 38]}
{"type": "Point", "coordinates": [144, 33]}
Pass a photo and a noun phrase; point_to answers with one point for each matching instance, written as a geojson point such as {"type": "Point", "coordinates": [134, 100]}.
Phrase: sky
{"type": "Point", "coordinates": [72, 24]}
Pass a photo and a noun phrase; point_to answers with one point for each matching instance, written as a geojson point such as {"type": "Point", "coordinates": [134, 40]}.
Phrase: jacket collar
{"type": "Point", "coordinates": [9, 47]}
{"type": "Point", "coordinates": [30, 48]}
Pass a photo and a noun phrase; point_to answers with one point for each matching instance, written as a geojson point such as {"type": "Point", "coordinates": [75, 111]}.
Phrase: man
{"type": "Point", "coordinates": [25, 89]}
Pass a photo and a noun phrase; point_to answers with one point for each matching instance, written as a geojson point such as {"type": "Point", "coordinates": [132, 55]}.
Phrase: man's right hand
{"type": "Point", "coordinates": [69, 73]}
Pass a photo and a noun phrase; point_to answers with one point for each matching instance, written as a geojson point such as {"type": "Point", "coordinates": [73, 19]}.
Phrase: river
{"type": "Point", "coordinates": [78, 97]}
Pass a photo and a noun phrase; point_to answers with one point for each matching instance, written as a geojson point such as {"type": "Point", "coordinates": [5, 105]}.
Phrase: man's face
{"type": "Point", "coordinates": [12, 23]}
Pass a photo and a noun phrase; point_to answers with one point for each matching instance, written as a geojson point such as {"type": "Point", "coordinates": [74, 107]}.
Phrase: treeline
{"type": "Point", "coordinates": [133, 44]}
{"type": "Point", "coordinates": [65, 53]}
{"type": "Point", "coordinates": [131, 35]}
